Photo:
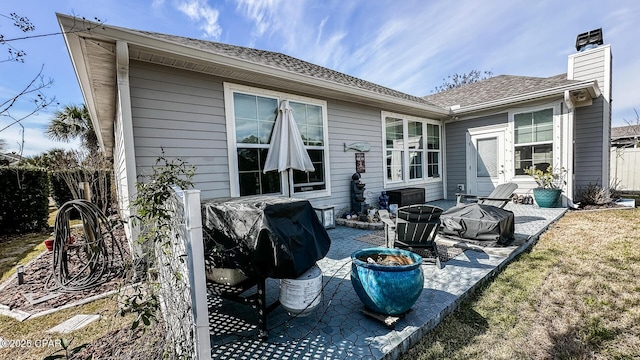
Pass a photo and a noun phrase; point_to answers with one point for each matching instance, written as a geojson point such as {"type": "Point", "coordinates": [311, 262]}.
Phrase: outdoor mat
{"type": "Point", "coordinates": [445, 252]}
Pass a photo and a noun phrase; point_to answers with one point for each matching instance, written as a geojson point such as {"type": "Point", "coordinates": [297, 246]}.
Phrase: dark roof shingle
{"type": "Point", "coordinates": [495, 88]}
{"type": "Point", "coordinates": [625, 131]}
{"type": "Point", "coordinates": [282, 62]}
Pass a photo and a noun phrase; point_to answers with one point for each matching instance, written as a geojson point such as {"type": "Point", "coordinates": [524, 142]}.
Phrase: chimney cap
{"type": "Point", "coordinates": [589, 40]}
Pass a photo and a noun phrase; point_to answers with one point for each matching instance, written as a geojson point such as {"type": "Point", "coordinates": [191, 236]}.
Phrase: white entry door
{"type": "Point", "coordinates": [485, 161]}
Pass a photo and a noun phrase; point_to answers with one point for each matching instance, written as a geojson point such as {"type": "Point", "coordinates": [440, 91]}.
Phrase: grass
{"type": "Point", "coordinates": [19, 250]}
{"type": "Point", "coordinates": [35, 329]}
{"type": "Point", "coordinates": [575, 295]}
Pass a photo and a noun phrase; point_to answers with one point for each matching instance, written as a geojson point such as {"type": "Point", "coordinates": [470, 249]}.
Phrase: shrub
{"type": "Point", "coordinates": [24, 200]}
{"type": "Point", "coordinates": [593, 194]}
{"type": "Point", "coordinates": [614, 192]}
{"type": "Point", "coordinates": [99, 180]}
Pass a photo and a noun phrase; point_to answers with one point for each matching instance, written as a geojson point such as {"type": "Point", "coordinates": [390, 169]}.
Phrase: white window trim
{"type": "Point", "coordinates": [229, 89]}
{"type": "Point", "coordinates": [556, 137]}
{"type": "Point", "coordinates": [405, 165]}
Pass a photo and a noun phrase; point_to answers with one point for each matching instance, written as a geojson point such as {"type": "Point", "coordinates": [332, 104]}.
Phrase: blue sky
{"type": "Point", "coordinates": [407, 45]}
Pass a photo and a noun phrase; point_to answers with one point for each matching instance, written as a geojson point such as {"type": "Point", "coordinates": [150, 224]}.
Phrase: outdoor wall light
{"type": "Point", "coordinates": [20, 272]}
{"type": "Point", "coordinates": [580, 95]}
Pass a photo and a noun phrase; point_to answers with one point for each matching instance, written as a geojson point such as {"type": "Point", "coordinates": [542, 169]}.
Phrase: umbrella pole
{"type": "Point", "coordinates": [289, 181]}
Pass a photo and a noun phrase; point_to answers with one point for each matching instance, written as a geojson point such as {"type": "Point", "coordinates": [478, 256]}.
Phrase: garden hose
{"type": "Point", "coordinates": [90, 255]}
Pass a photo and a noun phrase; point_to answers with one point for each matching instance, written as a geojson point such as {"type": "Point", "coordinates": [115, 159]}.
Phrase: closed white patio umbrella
{"type": "Point", "coordinates": [286, 149]}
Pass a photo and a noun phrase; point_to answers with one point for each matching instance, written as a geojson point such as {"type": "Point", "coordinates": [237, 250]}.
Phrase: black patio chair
{"type": "Point", "coordinates": [499, 197]}
{"type": "Point", "coordinates": [415, 229]}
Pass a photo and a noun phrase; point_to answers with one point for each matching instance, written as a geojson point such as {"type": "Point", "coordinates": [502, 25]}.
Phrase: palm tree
{"type": "Point", "coordinates": [73, 122]}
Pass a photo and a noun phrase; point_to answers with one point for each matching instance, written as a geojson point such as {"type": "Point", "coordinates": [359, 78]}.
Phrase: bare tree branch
{"type": "Point", "coordinates": [458, 80]}
{"type": "Point", "coordinates": [37, 84]}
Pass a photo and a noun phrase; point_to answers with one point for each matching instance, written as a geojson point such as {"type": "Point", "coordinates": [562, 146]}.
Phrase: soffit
{"type": "Point", "coordinates": [100, 61]}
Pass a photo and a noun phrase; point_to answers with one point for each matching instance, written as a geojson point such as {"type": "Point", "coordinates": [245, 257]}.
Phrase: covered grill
{"type": "Point", "coordinates": [479, 222]}
{"type": "Point", "coordinates": [262, 236]}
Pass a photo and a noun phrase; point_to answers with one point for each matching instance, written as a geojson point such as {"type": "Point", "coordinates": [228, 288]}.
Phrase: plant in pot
{"type": "Point", "coordinates": [550, 184]}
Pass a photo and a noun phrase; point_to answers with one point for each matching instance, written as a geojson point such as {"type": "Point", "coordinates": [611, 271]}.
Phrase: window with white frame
{"type": "Point", "coordinates": [254, 115]}
{"type": "Point", "coordinates": [412, 149]}
{"type": "Point", "coordinates": [533, 135]}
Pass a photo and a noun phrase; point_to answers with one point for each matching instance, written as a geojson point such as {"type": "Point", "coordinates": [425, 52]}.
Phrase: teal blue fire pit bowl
{"type": "Point", "coordinates": [387, 281]}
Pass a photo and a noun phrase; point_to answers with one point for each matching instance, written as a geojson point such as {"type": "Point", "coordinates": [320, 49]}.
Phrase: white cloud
{"type": "Point", "coordinates": [266, 14]}
{"type": "Point", "coordinates": [200, 11]}
{"type": "Point", "coordinates": [156, 4]}
{"type": "Point", "coordinates": [412, 46]}
{"type": "Point", "coordinates": [35, 142]}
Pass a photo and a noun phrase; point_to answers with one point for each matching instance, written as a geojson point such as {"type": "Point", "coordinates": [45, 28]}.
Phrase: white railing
{"type": "Point", "coordinates": [181, 273]}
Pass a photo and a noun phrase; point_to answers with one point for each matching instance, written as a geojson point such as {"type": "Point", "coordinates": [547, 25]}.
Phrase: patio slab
{"type": "Point", "coordinates": [337, 329]}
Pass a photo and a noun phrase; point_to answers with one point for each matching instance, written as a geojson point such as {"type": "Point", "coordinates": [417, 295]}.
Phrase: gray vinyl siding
{"type": "Point", "coordinates": [349, 123]}
{"type": "Point", "coordinates": [456, 151]}
{"type": "Point", "coordinates": [589, 65]}
{"type": "Point", "coordinates": [183, 113]}
{"type": "Point", "coordinates": [588, 148]}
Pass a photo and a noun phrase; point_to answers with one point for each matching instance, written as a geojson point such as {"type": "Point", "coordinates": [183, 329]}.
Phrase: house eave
{"type": "Point", "coordinates": [161, 51]}
{"type": "Point", "coordinates": [591, 86]}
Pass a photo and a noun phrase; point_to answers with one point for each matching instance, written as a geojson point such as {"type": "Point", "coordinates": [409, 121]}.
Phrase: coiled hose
{"type": "Point", "coordinates": [91, 255]}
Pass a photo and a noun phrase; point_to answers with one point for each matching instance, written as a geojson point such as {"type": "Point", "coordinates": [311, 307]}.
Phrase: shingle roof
{"type": "Point", "coordinates": [282, 62]}
{"type": "Point", "coordinates": [625, 131]}
{"type": "Point", "coordinates": [495, 88]}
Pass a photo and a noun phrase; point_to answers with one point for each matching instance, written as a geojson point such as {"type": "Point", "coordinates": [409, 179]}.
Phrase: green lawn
{"type": "Point", "coordinates": [575, 295]}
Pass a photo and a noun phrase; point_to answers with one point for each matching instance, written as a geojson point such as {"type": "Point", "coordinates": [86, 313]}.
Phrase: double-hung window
{"type": "Point", "coordinates": [253, 118]}
{"type": "Point", "coordinates": [412, 149]}
{"type": "Point", "coordinates": [533, 133]}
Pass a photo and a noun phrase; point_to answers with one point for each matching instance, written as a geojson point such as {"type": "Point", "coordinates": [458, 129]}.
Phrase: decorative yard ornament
{"type": "Point", "coordinates": [359, 146]}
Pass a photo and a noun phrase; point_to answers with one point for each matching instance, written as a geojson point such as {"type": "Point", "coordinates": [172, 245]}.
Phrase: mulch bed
{"type": "Point", "coordinates": [601, 207]}
{"type": "Point", "coordinates": [38, 281]}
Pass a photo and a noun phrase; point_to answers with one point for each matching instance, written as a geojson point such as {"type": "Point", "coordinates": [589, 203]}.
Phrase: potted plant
{"type": "Point", "coordinates": [550, 184]}
{"type": "Point", "coordinates": [387, 281]}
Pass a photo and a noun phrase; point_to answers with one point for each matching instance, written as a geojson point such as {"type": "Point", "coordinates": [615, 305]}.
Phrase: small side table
{"type": "Point", "coordinates": [326, 215]}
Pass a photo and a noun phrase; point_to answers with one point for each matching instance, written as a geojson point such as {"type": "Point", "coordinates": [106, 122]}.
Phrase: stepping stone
{"type": "Point", "coordinates": [16, 314]}
{"type": "Point", "coordinates": [73, 324]}
{"type": "Point", "coordinates": [32, 301]}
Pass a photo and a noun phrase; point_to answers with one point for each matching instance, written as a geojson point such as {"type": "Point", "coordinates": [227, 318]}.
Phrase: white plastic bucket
{"type": "Point", "coordinates": [302, 295]}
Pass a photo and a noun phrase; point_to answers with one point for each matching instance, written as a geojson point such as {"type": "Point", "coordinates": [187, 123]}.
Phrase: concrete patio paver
{"type": "Point", "coordinates": [337, 329]}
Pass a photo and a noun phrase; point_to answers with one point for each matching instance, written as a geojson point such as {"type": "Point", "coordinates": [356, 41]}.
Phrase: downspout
{"type": "Point", "coordinates": [443, 156]}
{"type": "Point", "coordinates": [124, 101]}
{"type": "Point", "coordinates": [569, 142]}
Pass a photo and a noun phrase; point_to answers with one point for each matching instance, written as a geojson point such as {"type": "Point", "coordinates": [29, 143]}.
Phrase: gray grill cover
{"type": "Point", "coordinates": [479, 222]}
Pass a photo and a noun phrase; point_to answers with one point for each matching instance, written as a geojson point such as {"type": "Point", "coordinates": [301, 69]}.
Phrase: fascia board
{"type": "Point", "coordinates": [148, 42]}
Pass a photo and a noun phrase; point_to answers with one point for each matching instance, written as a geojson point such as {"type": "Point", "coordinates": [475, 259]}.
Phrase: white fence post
{"type": "Point", "coordinates": [195, 260]}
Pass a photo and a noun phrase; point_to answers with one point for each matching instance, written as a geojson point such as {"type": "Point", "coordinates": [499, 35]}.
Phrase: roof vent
{"type": "Point", "coordinates": [589, 40]}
